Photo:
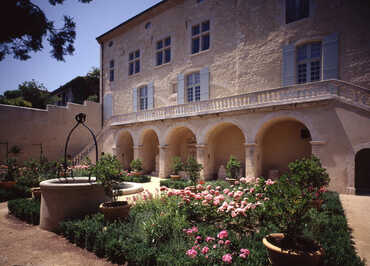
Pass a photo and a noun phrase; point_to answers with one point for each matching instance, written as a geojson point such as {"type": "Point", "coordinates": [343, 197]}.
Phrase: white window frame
{"type": "Point", "coordinates": [162, 50]}
{"type": "Point", "coordinates": [143, 97]}
{"type": "Point", "coordinates": [192, 85]}
{"type": "Point", "coordinates": [200, 35]}
{"type": "Point", "coordinates": [134, 60]}
{"type": "Point", "coordinates": [307, 63]}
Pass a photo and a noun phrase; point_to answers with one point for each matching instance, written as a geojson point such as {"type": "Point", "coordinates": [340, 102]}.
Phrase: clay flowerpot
{"type": "Point", "coordinates": [279, 257]}
{"type": "Point", "coordinates": [316, 203]}
{"type": "Point", "coordinates": [115, 210]}
{"type": "Point", "coordinates": [7, 184]}
{"type": "Point", "coordinates": [175, 177]}
{"type": "Point", "coordinates": [135, 173]}
{"type": "Point", "coordinates": [36, 193]}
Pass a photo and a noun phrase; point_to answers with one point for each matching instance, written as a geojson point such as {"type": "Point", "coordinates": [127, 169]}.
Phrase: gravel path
{"type": "Point", "coordinates": [357, 210]}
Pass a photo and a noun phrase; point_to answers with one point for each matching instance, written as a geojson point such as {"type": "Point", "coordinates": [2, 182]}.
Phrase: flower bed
{"type": "Point", "coordinates": [27, 210]}
{"type": "Point", "coordinates": [158, 232]}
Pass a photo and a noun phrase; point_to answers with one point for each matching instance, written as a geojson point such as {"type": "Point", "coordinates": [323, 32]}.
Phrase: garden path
{"type": "Point", "coordinates": [26, 245]}
{"type": "Point", "coordinates": [357, 210]}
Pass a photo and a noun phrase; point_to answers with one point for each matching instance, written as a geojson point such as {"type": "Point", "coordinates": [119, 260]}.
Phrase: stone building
{"type": "Point", "coordinates": [265, 81]}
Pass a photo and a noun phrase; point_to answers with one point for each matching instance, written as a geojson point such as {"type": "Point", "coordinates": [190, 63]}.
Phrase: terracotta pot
{"type": "Point", "coordinates": [279, 257]}
{"type": "Point", "coordinates": [230, 180]}
{"type": "Point", "coordinates": [115, 210]}
{"type": "Point", "coordinates": [135, 173]}
{"type": "Point", "coordinates": [175, 177]}
{"type": "Point", "coordinates": [36, 193]}
{"type": "Point", "coordinates": [7, 184]}
{"type": "Point", "coordinates": [316, 204]}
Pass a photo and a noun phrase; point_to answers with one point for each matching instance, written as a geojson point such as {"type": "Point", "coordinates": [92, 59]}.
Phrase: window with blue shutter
{"type": "Point", "coordinates": [330, 50]}
{"type": "Point", "coordinates": [150, 95]}
{"type": "Point", "coordinates": [288, 65]}
{"type": "Point", "coordinates": [134, 99]}
{"type": "Point", "coordinates": [204, 84]}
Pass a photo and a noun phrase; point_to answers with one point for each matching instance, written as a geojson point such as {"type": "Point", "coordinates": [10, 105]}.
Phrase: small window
{"type": "Point", "coordinates": [200, 37]}
{"type": "Point", "coordinates": [163, 54]}
{"type": "Point", "coordinates": [111, 70]}
{"type": "Point", "coordinates": [110, 44]}
{"type": "Point", "coordinates": [148, 25]}
{"type": "Point", "coordinates": [134, 62]}
{"type": "Point", "coordinates": [193, 87]}
{"type": "Point", "coordinates": [309, 62]}
{"type": "Point", "coordinates": [296, 10]}
{"type": "Point", "coordinates": [143, 98]}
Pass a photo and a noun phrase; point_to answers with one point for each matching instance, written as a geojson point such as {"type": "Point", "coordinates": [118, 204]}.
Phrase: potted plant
{"type": "Point", "coordinates": [232, 169]}
{"type": "Point", "coordinates": [10, 172]}
{"type": "Point", "coordinates": [136, 167]}
{"type": "Point", "coordinates": [291, 199]}
{"type": "Point", "coordinates": [177, 166]}
{"type": "Point", "coordinates": [193, 168]}
{"type": "Point", "coordinates": [107, 171]}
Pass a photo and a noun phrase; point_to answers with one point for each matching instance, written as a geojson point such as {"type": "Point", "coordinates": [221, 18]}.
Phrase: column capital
{"type": "Point", "coordinates": [318, 142]}
{"type": "Point", "coordinates": [200, 146]}
{"type": "Point", "coordinates": [163, 147]}
{"type": "Point", "coordinates": [250, 144]}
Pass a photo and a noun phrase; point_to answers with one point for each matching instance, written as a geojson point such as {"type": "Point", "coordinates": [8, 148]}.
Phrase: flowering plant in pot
{"type": "Point", "coordinates": [136, 166]}
{"type": "Point", "coordinates": [232, 169]}
{"type": "Point", "coordinates": [193, 168]}
{"type": "Point", "coordinates": [291, 198]}
{"type": "Point", "coordinates": [10, 173]}
{"type": "Point", "coordinates": [108, 173]}
{"type": "Point", "coordinates": [177, 166]}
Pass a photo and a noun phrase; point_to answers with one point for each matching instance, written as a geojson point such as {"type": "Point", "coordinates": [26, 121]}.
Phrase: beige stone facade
{"type": "Point", "coordinates": [237, 93]}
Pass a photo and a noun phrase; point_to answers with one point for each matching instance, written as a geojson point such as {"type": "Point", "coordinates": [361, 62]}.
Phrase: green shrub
{"type": "Point", "coordinates": [177, 165]}
{"type": "Point", "coordinates": [176, 184]}
{"type": "Point", "coordinates": [232, 167]}
{"type": "Point", "coordinates": [193, 168]}
{"type": "Point", "coordinates": [136, 179]}
{"type": "Point", "coordinates": [16, 192]}
{"type": "Point", "coordinates": [27, 210]}
{"type": "Point", "coordinates": [136, 165]}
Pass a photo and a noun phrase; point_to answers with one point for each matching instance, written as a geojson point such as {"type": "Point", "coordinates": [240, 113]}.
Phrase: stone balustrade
{"type": "Point", "coordinates": [316, 91]}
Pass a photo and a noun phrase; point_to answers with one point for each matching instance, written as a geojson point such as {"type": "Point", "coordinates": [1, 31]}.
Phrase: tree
{"type": "Point", "coordinates": [27, 28]}
{"type": "Point", "coordinates": [29, 94]}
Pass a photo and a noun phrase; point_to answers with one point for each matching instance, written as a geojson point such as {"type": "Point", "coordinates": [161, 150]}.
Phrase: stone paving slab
{"type": "Point", "coordinates": [357, 210]}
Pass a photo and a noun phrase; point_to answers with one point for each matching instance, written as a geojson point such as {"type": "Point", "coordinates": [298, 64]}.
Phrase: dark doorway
{"type": "Point", "coordinates": [362, 172]}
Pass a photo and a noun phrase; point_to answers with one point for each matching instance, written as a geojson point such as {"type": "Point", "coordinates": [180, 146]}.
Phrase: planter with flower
{"type": "Point", "coordinates": [108, 170]}
{"type": "Point", "coordinates": [177, 166]}
{"type": "Point", "coordinates": [192, 169]}
{"type": "Point", "coordinates": [291, 198]}
{"type": "Point", "coordinates": [136, 167]}
{"type": "Point", "coordinates": [232, 169]}
{"type": "Point", "coordinates": [9, 173]}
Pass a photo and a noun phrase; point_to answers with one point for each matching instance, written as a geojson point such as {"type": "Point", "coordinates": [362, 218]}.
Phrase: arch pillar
{"type": "Point", "coordinates": [250, 159]}
{"type": "Point", "coordinates": [317, 147]}
{"type": "Point", "coordinates": [163, 155]}
{"type": "Point", "coordinates": [137, 151]}
{"type": "Point", "coordinates": [202, 159]}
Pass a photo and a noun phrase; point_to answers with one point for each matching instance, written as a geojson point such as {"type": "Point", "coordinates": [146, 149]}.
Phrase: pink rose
{"type": "Point", "coordinates": [243, 256]}
{"type": "Point", "coordinates": [192, 253]}
{"type": "Point", "coordinates": [205, 250]}
{"type": "Point", "coordinates": [227, 242]}
{"type": "Point", "coordinates": [209, 239]}
{"type": "Point", "coordinates": [223, 234]}
{"type": "Point", "coordinates": [227, 258]}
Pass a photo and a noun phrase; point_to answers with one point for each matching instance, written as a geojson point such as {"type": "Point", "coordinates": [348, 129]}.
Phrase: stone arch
{"type": "Point", "coordinates": [283, 115]}
{"type": "Point", "coordinates": [149, 150]}
{"type": "Point", "coordinates": [351, 167]}
{"type": "Point", "coordinates": [204, 132]}
{"type": "Point", "coordinates": [124, 149]}
{"type": "Point", "coordinates": [281, 140]}
{"type": "Point", "coordinates": [142, 132]}
{"type": "Point", "coordinates": [223, 140]}
{"type": "Point", "coordinates": [165, 137]}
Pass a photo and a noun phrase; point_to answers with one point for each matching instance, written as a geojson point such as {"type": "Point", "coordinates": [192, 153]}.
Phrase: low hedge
{"type": "Point", "coordinates": [27, 210]}
{"type": "Point", "coordinates": [181, 184]}
{"type": "Point", "coordinates": [137, 179]}
{"type": "Point", "coordinates": [16, 192]}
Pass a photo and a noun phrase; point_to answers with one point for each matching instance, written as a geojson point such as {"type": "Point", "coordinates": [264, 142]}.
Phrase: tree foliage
{"type": "Point", "coordinates": [29, 94]}
{"type": "Point", "coordinates": [28, 26]}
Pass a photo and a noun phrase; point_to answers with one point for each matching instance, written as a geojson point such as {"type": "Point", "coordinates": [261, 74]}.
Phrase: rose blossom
{"type": "Point", "coordinates": [223, 234]}
{"type": "Point", "coordinates": [192, 253]}
{"type": "Point", "coordinates": [227, 258]}
{"type": "Point", "coordinates": [205, 250]}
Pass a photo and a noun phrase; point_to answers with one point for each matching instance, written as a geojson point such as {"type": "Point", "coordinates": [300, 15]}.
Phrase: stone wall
{"type": "Point", "coordinates": [32, 129]}
{"type": "Point", "coordinates": [246, 50]}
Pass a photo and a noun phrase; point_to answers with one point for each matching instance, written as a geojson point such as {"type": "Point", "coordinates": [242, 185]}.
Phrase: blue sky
{"type": "Point", "coordinates": [92, 20]}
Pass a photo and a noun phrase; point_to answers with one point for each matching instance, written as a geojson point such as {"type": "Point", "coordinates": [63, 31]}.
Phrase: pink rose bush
{"type": "Point", "coordinates": [214, 250]}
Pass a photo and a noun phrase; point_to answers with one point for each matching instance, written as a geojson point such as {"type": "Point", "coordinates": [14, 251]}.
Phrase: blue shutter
{"type": "Point", "coordinates": [134, 99]}
{"type": "Point", "coordinates": [204, 84]}
{"type": "Point", "coordinates": [288, 65]}
{"type": "Point", "coordinates": [330, 50]}
{"type": "Point", "coordinates": [107, 106]}
{"type": "Point", "coordinates": [150, 95]}
{"type": "Point", "coordinates": [180, 89]}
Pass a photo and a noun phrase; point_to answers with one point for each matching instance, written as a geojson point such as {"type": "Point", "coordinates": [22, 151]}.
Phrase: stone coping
{"type": "Point", "coordinates": [128, 188]}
